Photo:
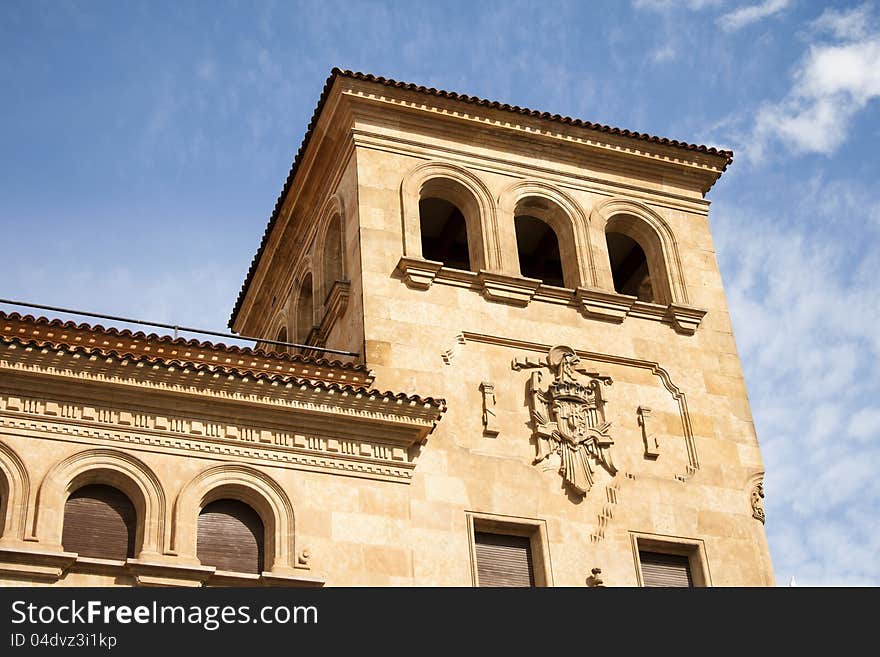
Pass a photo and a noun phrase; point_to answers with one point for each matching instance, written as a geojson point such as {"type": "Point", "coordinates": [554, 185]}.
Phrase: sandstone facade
{"type": "Point", "coordinates": [599, 425]}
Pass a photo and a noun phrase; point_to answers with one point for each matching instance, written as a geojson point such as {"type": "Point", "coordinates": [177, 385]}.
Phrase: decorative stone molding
{"type": "Point", "coordinates": [595, 579]}
{"type": "Point", "coordinates": [651, 231]}
{"type": "Point", "coordinates": [757, 498]}
{"type": "Point", "coordinates": [652, 444]}
{"type": "Point", "coordinates": [35, 563]}
{"type": "Point", "coordinates": [513, 290]}
{"type": "Point", "coordinates": [601, 304]}
{"type": "Point", "coordinates": [606, 514]}
{"type": "Point", "coordinates": [303, 450]}
{"type": "Point", "coordinates": [248, 485]}
{"type": "Point", "coordinates": [563, 214]}
{"type": "Point", "coordinates": [693, 463]}
{"type": "Point", "coordinates": [490, 420]}
{"type": "Point", "coordinates": [14, 496]}
{"type": "Point", "coordinates": [417, 272]}
{"type": "Point", "coordinates": [107, 466]}
{"type": "Point", "coordinates": [568, 418]}
{"type": "Point", "coordinates": [335, 306]}
{"type": "Point", "coordinates": [594, 303]}
{"type": "Point", "coordinates": [461, 187]}
{"type": "Point", "coordinates": [685, 319]}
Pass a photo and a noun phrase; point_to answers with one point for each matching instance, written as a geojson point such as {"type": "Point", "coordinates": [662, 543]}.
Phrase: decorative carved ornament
{"type": "Point", "coordinates": [568, 418]}
{"type": "Point", "coordinates": [652, 444]}
{"type": "Point", "coordinates": [490, 420]}
{"type": "Point", "coordinates": [758, 501]}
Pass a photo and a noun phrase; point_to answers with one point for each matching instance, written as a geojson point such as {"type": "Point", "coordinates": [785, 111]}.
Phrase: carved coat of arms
{"type": "Point", "coordinates": [568, 418]}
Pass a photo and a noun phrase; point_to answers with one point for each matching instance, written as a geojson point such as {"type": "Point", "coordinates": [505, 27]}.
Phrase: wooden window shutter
{"type": "Point", "coordinates": [99, 521]}
{"type": "Point", "coordinates": [504, 560]}
{"type": "Point", "coordinates": [231, 537]}
{"type": "Point", "coordinates": [660, 569]}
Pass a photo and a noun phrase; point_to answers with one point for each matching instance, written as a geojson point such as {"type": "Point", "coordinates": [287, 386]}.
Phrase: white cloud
{"type": "Point", "coordinates": [739, 18]}
{"type": "Point", "coordinates": [806, 329]}
{"type": "Point", "coordinates": [664, 54]}
{"type": "Point", "coordinates": [848, 25]}
{"type": "Point", "coordinates": [833, 83]}
{"type": "Point", "coordinates": [865, 424]}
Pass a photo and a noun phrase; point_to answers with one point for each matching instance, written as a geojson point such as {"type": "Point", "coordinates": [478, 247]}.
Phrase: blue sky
{"type": "Point", "coordinates": [144, 144]}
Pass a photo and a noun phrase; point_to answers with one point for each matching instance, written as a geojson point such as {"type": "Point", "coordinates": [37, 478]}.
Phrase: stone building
{"type": "Point", "coordinates": [539, 295]}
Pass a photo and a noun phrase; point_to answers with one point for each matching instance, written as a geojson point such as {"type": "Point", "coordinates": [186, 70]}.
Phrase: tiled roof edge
{"type": "Point", "coordinates": [474, 100]}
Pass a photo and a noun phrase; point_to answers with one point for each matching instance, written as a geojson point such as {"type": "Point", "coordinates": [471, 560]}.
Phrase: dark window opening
{"type": "Point", "coordinates": [99, 521]}
{"type": "Point", "coordinates": [444, 233]}
{"type": "Point", "coordinates": [504, 560]}
{"type": "Point", "coordinates": [629, 267]}
{"type": "Point", "coordinates": [538, 249]}
{"type": "Point", "coordinates": [305, 311]}
{"type": "Point", "coordinates": [332, 255]}
{"type": "Point", "coordinates": [230, 537]}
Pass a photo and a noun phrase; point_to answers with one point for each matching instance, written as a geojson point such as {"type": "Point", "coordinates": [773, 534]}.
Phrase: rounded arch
{"type": "Point", "coordinates": [245, 484]}
{"type": "Point", "coordinates": [113, 468]}
{"type": "Point", "coordinates": [304, 307]}
{"type": "Point", "coordinates": [466, 191]}
{"type": "Point", "coordinates": [563, 214]}
{"type": "Point", "coordinates": [653, 234]}
{"type": "Point", "coordinates": [14, 495]}
{"type": "Point", "coordinates": [330, 245]}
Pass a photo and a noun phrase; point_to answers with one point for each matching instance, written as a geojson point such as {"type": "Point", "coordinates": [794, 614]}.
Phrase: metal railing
{"type": "Point", "coordinates": [175, 327]}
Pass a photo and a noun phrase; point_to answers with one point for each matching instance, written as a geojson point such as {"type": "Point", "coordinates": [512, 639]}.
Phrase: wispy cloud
{"type": "Point", "coordinates": [740, 18]}
{"type": "Point", "coordinates": [847, 25]}
{"type": "Point", "coordinates": [664, 53]}
{"type": "Point", "coordinates": [815, 383]}
{"type": "Point", "coordinates": [835, 80]}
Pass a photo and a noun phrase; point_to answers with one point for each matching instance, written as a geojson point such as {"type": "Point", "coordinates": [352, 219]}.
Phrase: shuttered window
{"type": "Point", "coordinates": [504, 560]}
{"type": "Point", "coordinates": [660, 569]}
{"type": "Point", "coordinates": [99, 521]}
{"type": "Point", "coordinates": [231, 537]}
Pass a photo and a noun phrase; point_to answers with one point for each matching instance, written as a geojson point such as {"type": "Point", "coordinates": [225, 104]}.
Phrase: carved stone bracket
{"type": "Point", "coordinates": [652, 444]}
{"type": "Point", "coordinates": [418, 273]}
{"type": "Point", "coordinates": [685, 319]}
{"type": "Point", "coordinates": [595, 579]}
{"type": "Point", "coordinates": [758, 501]}
{"type": "Point", "coordinates": [514, 290]}
{"type": "Point", "coordinates": [601, 304]}
{"type": "Point", "coordinates": [490, 420]}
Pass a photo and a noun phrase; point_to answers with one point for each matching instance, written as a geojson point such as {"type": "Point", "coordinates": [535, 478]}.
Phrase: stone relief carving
{"type": "Point", "coordinates": [490, 420]}
{"type": "Point", "coordinates": [758, 501]}
{"type": "Point", "coordinates": [652, 444]}
{"type": "Point", "coordinates": [568, 418]}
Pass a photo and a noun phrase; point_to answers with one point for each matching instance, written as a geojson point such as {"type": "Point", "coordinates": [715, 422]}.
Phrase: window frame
{"type": "Point", "coordinates": [693, 548]}
{"type": "Point", "coordinates": [532, 528]}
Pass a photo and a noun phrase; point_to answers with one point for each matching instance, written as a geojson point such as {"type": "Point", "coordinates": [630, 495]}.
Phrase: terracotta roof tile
{"type": "Point", "coordinates": [10, 333]}
{"type": "Point", "coordinates": [474, 100]}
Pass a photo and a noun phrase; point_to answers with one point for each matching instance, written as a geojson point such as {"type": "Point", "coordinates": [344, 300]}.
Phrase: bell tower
{"type": "Point", "coordinates": [555, 282]}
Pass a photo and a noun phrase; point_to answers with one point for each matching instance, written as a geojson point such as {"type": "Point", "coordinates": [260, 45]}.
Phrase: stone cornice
{"type": "Point", "coordinates": [702, 169]}
{"type": "Point", "coordinates": [298, 424]}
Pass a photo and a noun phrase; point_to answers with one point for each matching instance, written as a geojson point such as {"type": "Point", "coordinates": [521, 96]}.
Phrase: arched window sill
{"type": "Point", "coordinates": [594, 303]}
{"type": "Point", "coordinates": [29, 563]}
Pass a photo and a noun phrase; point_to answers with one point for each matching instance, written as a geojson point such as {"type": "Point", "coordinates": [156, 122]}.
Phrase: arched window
{"type": "Point", "coordinates": [305, 311]}
{"type": "Point", "coordinates": [538, 248]}
{"type": "Point", "coordinates": [332, 255]}
{"type": "Point", "coordinates": [444, 233]}
{"type": "Point", "coordinates": [231, 537]}
{"type": "Point", "coordinates": [99, 521]}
